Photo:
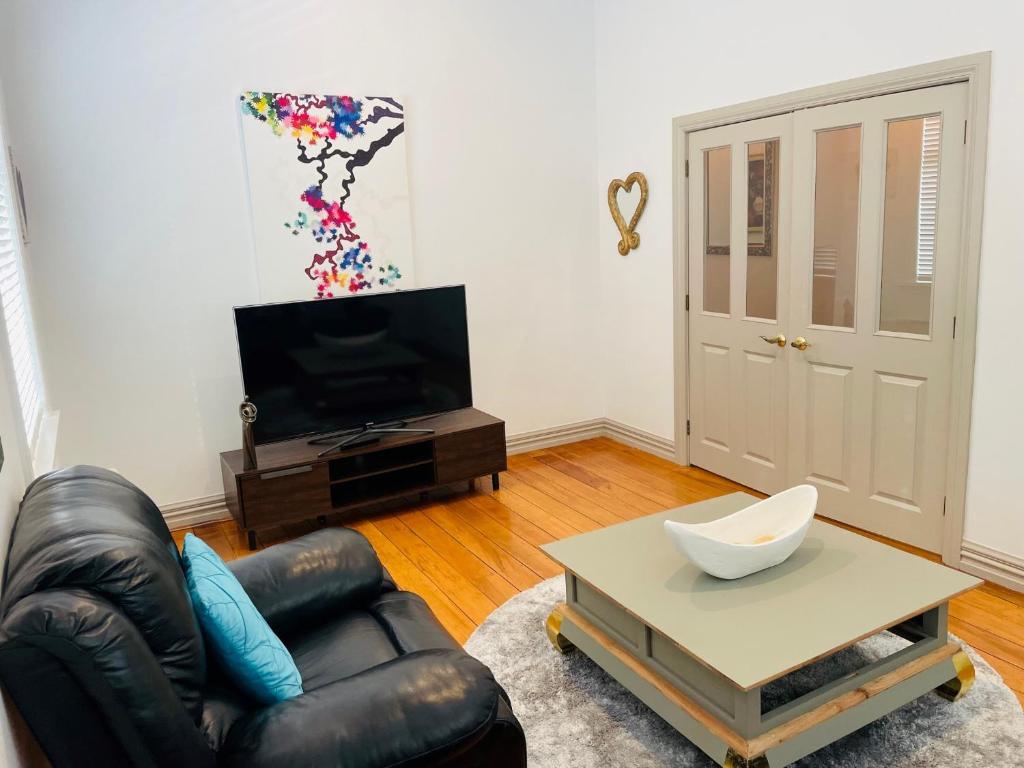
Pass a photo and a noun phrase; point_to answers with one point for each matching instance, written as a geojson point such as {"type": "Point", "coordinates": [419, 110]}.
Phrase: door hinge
{"type": "Point", "coordinates": [686, 169]}
{"type": "Point", "coordinates": [943, 506]}
{"type": "Point", "coordinates": [687, 426]}
{"type": "Point", "coordinates": [687, 302]}
{"type": "Point", "coordinates": [954, 326]}
{"type": "Point", "coordinates": [965, 131]}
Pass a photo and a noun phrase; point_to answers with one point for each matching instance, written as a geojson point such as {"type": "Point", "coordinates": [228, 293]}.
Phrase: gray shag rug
{"type": "Point", "coordinates": [576, 716]}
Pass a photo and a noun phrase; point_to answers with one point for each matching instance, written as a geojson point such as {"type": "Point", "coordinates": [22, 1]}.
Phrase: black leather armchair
{"type": "Point", "coordinates": [101, 652]}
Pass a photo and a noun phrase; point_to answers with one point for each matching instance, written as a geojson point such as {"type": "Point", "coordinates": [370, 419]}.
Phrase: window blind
{"type": "Point", "coordinates": [17, 317]}
{"type": "Point", "coordinates": [928, 198]}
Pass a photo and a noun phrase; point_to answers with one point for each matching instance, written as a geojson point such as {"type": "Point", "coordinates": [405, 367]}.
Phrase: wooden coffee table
{"type": "Point", "coordinates": [699, 650]}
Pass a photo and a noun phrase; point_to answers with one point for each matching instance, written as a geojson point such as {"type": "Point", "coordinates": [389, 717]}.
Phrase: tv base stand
{"type": "Point", "coordinates": [359, 436]}
{"type": "Point", "coordinates": [294, 481]}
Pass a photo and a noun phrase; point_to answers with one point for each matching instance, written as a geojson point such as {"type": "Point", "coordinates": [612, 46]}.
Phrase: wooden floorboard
{"type": "Point", "coordinates": [467, 553]}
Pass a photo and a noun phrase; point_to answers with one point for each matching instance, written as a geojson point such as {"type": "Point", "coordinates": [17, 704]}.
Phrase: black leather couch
{"type": "Point", "coordinates": [101, 652]}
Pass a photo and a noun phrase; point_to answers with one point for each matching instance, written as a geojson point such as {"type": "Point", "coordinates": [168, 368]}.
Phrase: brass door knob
{"type": "Point", "coordinates": [777, 339]}
{"type": "Point", "coordinates": [800, 343]}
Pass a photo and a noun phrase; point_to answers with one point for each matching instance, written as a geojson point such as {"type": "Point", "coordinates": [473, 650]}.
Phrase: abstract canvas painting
{"type": "Point", "coordinates": [329, 193]}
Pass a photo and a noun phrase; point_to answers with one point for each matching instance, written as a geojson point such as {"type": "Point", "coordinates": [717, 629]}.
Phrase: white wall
{"type": "Point", "coordinates": [124, 122]}
{"type": "Point", "coordinates": [658, 60]}
{"type": "Point", "coordinates": [12, 486]}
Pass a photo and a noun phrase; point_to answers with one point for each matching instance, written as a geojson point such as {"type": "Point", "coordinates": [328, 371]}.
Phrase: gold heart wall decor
{"type": "Point", "coordinates": [629, 237]}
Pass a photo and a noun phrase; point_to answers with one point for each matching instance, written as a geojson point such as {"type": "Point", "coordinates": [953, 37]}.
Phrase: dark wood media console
{"type": "Point", "coordinates": [291, 483]}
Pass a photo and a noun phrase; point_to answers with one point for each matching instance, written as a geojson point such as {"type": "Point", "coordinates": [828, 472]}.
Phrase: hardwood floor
{"type": "Point", "coordinates": [468, 553]}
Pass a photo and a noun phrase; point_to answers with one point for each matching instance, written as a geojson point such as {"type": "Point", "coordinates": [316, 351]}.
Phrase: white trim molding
{"type": "Point", "coordinates": [638, 438]}
{"type": "Point", "coordinates": [524, 442]}
{"type": "Point", "coordinates": [186, 514]}
{"type": "Point", "coordinates": [585, 430]}
{"type": "Point", "coordinates": [1000, 567]}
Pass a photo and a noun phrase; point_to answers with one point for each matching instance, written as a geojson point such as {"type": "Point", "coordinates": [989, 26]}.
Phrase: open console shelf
{"type": "Point", "coordinates": [382, 486]}
{"type": "Point", "coordinates": [290, 482]}
{"type": "Point", "coordinates": [379, 462]}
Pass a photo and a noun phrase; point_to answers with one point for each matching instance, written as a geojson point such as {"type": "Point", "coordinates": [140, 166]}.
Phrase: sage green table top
{"type": "Point", "coordinates": [837, 588]}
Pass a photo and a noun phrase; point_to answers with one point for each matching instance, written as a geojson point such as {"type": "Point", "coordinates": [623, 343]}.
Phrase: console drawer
{"type": "Point", "coordinates": [295, 493]}
{"type": "Point", "coordinates": [469, 454]}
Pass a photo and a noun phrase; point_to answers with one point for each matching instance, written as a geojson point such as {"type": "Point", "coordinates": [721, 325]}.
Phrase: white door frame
{"type": "Point", "coordinates": [974, 70]}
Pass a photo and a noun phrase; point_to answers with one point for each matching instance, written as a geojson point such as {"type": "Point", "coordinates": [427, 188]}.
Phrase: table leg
{"type": "Point", "coordinates": [957, 688]}
{"type": "Point", "coordinates": [251, 536]}
{"type": "Point", "coordinates": [732, 760]}
{"type": "Point", "coordinates": [554, 629]}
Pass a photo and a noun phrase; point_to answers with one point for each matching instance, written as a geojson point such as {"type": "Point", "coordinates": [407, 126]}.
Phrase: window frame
{"type": "Point", "coordinates": [22, 343]}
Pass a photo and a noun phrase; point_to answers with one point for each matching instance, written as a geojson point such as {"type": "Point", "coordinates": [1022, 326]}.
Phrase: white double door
{"type": "Point", "coordinates": [824, 252]}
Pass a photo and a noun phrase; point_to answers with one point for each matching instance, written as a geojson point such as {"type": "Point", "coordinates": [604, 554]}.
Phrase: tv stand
{"type": "Point", "coordinates": [294, 481]}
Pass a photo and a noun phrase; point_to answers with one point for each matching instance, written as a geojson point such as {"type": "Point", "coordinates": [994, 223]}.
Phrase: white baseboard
{"type": "Point", "coordinates": [638, 438]}
{"type": "Point", "coordinates": [187, 514]}
{"type": "Point", "coordinates": [585, 430]}
{"type": "Point", "coordinates": [211, 509]}
{"type": "Point", "coordinates": [1000, 567]}
{"type": "Point", "coordinates": [551, 436]}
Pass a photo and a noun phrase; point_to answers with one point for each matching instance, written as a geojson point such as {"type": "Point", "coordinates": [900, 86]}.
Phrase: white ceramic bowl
{"type": "Point", "coordinates": [758, 537]}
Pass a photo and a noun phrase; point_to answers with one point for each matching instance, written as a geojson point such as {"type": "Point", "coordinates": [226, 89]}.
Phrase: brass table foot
{"type": "Point", "coordinates": [554, 629]}
{"type": "Point", "coordinates": [732, 760]}
{"type": "Point", "coordinates": [958, 687]}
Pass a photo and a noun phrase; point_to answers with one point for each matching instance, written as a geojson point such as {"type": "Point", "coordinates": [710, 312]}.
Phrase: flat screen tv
{"type": "Point", "coordinates": [326, 365]}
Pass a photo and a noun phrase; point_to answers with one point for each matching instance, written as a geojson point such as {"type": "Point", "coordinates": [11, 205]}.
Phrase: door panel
{"type": "Point", "coordinates": [717, 213]}
{"type": "Point", "coordinates": [760, 402]}
{"type": "Point", "coordinates": [909, 219]}
{"type": "Point", "coordinates": [898, 433]}
{"type": "Point", "coordinates": [883, 323]}
{"type": "Point", "coordinates": [762, 268]}
{"type": "Point", "coordinates": [836, 215]}
{"type": "Point", "coordinates": [715, 431]}
{"type": "Point", "coordinates": [739, 246]}
{"type": "Point", "coordinates": [829, 413]}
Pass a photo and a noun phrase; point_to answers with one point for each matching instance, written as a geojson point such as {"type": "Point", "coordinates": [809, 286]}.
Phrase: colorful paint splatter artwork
{"type": "Point", "coordinates": [338, 163]}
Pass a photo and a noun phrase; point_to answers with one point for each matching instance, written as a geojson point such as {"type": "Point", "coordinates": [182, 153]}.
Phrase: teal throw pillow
{"type": "Point", "coordinates": [237, 634]}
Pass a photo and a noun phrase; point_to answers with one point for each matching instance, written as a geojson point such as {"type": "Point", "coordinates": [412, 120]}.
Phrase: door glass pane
{"type": "Point", "coordinates": [908, 229]}
{"type": "Point", "coordinates": [836, 202]}
{"type": "Point", "coordinates": [717, 198]}
{"type": "Point", "coordinates": [762, 226]}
